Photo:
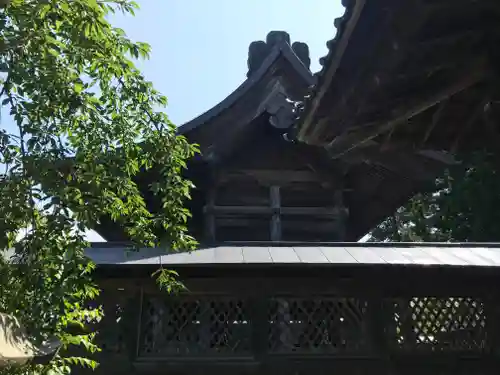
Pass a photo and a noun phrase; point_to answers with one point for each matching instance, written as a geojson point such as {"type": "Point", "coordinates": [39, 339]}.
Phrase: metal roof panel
{"type": "Point", "coordinates": [407, 255]}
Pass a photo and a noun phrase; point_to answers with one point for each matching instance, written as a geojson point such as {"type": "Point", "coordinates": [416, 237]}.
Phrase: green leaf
{"type": "Point", "coordinates": [78, 87]}
{"type": "Point", "coordinates": [85, 131]}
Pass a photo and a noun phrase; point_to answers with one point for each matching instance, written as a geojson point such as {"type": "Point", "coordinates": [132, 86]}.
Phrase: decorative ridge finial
{"type": "Point", "coordinates": [259, 50]}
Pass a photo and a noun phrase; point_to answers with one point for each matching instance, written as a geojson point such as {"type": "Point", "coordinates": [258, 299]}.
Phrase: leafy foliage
{"type": "Point", "coordinates": [461, 208]}
{"type": "Point", "coordinates": [85, 124]}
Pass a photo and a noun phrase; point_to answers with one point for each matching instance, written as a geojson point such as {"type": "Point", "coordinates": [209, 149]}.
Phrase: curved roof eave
{"type": "Point", "coordinates": [331, 62]}
{"type": "Point", "coordinates": [281, 48]}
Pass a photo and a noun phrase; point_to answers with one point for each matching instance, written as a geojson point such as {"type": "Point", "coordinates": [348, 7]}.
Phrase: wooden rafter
{"type": "Point", "coordinates": [436, 116]}
{"type": "Point", "coordinates": [425, 58]}
{"type": "Point", "coordinates": [414, 108]}
{"type": "Point", "coordinates": [440, 156]}
{"type": "Point", "coordinates": [365, 82]}
{"type": "Point", "coordinates": [407, 165]}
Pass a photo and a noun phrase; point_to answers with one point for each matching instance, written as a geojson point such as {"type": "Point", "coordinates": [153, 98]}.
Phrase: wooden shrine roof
{"type": "Point", "coordinates": [406, 85]}
{"type": "Point", "coordinates": [281, 48]}
{"type": "Point", "coordinates": [278, 71]}
{"type": "Point", "coordinates": [393, 254]}
{"type": "Point", "coordinates": [412, 75]}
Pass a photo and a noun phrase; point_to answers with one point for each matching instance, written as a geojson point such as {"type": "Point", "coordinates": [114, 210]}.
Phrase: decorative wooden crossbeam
{"type": "Point", "coordinates": [263, 210]}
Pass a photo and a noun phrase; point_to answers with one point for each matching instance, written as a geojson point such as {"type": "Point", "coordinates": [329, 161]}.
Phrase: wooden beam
{"type": "Point", "coordinates": [412, 109]}
{"type": "Point", "coordinates": [311, 211]}
{"type": "Point", "coordinates": [271, 177]}
{"type": "Point", "coordinates": [344, 142]}
{"type": "Point", "coordinates": [441, 156]}
{"type": "Point", "coordinates": [263, 210]}
{"type": "Point", "coordinates": [306, 224]}
{"type": "Point", "coordinates": [409, 166]}
{"type": "Point", "coordinates": [436, 116]}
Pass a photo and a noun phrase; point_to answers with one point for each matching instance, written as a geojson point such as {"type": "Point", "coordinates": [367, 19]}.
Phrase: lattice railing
{"type": "Point", "coordinates": [438, 324]}
{"type": "Point", "coordinates": [194, 326]}
{"type": "Point", "coordinates": [231, 326]}
{"type": "Point", "coordinates": [317, 325]}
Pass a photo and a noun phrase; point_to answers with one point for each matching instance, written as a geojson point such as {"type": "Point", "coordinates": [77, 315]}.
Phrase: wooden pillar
{"type": "Point", "coordinates": [380, 315]}
{"type": "Point", "coordinates": [492, 313]}
{"type": "Point", "coordinates": [276, 209]}
{"type": "Point", "coordinates": [259, 324]}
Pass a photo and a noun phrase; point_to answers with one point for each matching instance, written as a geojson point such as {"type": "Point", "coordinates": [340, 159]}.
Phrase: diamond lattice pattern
{"type": "Point", "coordinates": [439, 324]}
{"type": "Point", "coordinates": [317, 325]}
{"type": "Point", "coordinates": [194, 326]}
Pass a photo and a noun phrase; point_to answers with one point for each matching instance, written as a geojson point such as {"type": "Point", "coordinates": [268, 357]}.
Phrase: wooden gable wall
{"type": "Point", "coordinates": [269, 190]}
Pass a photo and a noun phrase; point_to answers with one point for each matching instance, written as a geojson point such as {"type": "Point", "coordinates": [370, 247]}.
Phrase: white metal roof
{"type": "Point", "coordinates": [487, 256]}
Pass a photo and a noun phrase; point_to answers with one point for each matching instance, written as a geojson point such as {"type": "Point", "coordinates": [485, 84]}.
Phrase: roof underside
{"type": "Point", "coordinates": [406, 85]}
{"type": "Point", "coordinates": [409, 75]}
{"type": "Point", "coordinates": [415, 255]}
{"type": "Point", "coordinates": [401, 59]}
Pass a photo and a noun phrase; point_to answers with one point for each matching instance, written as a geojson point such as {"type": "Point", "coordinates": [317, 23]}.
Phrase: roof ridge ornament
{"type": "Point", "coordinates": [259, 50]}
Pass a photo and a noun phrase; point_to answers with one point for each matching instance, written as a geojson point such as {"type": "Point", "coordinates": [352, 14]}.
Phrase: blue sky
{"type": "Point", "coordinates": [199, 47]}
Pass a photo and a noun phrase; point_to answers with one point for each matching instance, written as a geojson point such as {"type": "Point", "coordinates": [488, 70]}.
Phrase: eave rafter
{"type": "Point", "coordinates": [364, 133]}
